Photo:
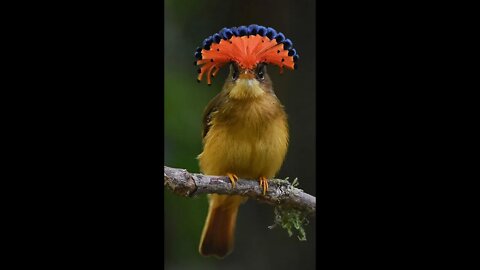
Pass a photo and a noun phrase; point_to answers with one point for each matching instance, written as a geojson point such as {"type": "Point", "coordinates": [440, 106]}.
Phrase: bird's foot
{"type": "Point", "coordinates": [264, 184]}
{"type": "Point", "coordinates": [233, 179]}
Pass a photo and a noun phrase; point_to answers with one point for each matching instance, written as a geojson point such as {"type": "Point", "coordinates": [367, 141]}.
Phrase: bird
{"type": "Point", "coordinates": [245, 129]}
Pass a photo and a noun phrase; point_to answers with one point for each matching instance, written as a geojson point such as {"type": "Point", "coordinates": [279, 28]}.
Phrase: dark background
{"type": "Point", "coordinates": [92, 133]}
{"type": "Point", "coordinates": [187, 23]}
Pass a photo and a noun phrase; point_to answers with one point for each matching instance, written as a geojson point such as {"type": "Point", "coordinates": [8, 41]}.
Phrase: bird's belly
{"type": "Point", "coordinates": [246, 152]}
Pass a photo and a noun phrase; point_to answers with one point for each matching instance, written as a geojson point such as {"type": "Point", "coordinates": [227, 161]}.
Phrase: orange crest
{"type": "Point", "coordinates": [247, 46]}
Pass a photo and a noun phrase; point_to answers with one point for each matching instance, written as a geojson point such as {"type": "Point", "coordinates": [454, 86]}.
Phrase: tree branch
{"type": "Point", "coordinates": [280, 192]}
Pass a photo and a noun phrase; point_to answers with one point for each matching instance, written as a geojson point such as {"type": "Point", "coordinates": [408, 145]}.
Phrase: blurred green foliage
{"type": "Point", "coordinates": [187, 23]}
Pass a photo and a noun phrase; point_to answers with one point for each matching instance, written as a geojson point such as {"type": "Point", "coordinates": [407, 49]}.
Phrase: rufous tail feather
{"type": "Point", "coordinates": [219, 230]}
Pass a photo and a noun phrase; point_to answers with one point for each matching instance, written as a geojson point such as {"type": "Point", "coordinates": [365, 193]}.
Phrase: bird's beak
{"type": "Point", "coordinates": [246, 86]}
{"type": "Point", "coordinates": [246, 74]}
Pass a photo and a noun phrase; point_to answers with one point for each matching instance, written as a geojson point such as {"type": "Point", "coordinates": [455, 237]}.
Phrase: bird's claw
{"type": "Point", "coordinates": [233, 179]}
{"type": "Point", "coordinates": [264, 184]}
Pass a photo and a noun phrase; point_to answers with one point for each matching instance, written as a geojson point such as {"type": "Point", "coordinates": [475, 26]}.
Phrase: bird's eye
{"type": "Point", "coordinates": [235, 72]}
{"type": "Point", "coordinates": [260, 73]}
{"type": "Point", "coordinates": [235, 75]}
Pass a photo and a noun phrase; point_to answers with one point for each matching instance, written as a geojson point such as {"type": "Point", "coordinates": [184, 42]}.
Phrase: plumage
{"type": "Point", "coordinates": [247, 46]}
{"type": "Point", "coordinates": [245, 130]}
{"type": "Point", "coordinates": [246, 136]}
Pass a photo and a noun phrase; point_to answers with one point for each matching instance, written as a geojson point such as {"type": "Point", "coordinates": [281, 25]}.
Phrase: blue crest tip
{"type": "Point", "coordinates": [252, 29]}
{"type": "Point", "coordinates": [287, 44]}
{"type": "Point", "coordinates": [271, 33]}
{"type": "Point", "coordinates": [280, 37]}
{"type": "Point", "coordinates": [216, 38]}
{"type": "Point", "coordinates": [242, 30]}
{"type": "Point", "coordinates": [226, 33]}
{"type": "Point", "coordinates": [235, 31]}
{"type": "Point", "coordinates": [207, 42]}
{"type": "Point", "coordinates": [262, 30]}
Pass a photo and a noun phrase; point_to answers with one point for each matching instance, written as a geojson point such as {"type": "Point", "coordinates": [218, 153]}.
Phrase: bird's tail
{"type": "Point", "coordinates": [219, 229]}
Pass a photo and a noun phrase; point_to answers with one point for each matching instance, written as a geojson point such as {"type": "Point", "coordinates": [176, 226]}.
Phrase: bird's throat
{"type": "Point", "coordinates": [245, 89]}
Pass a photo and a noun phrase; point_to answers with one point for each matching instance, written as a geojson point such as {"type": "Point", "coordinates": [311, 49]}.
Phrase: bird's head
{"type": "Point", "coordinates": [248, 51]}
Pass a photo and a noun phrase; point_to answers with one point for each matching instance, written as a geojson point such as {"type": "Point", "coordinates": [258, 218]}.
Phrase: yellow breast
{"type": "Point", "coordinates": [248, 138]}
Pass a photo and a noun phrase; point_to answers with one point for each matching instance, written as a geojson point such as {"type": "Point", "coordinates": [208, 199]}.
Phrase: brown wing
{"type": "Point", "coordinates": [210, 111]}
